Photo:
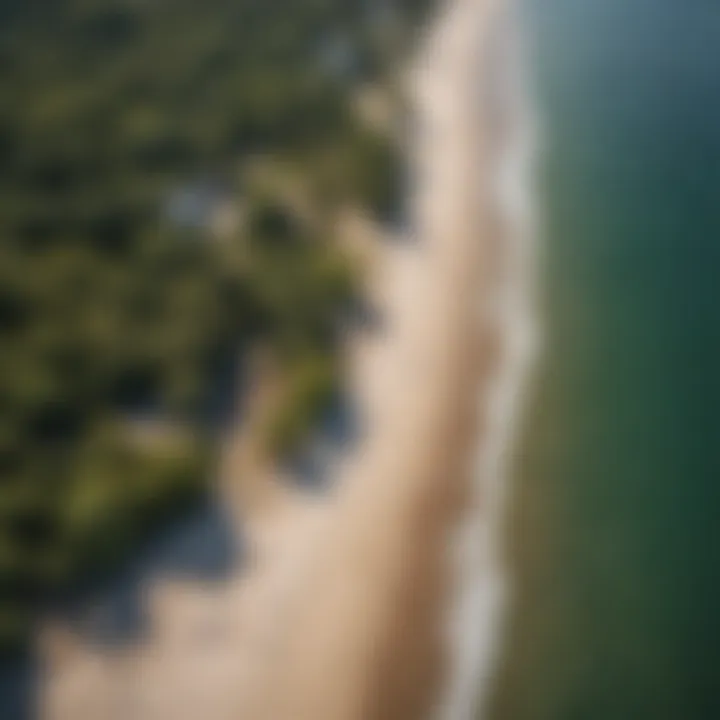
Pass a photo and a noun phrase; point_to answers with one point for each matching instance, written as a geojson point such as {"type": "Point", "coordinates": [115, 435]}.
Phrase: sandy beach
{"type": "Point", "coordinates": [343, 611]}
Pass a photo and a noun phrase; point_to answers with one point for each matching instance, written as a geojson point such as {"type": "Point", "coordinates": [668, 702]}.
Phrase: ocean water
{"type": "Point", "coordinates": [613, 535]}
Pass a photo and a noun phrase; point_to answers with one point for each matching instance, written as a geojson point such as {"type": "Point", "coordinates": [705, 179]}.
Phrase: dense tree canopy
{"type": "Point", "coordinates": [110, 309]}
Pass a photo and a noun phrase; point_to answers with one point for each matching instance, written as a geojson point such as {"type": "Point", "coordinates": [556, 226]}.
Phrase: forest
{"type": "Point", "coordinates": [128, 130]}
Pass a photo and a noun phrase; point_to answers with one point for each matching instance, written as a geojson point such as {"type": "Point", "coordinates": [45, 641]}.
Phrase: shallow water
{"type": "Point", "coordinates": [616, 477]}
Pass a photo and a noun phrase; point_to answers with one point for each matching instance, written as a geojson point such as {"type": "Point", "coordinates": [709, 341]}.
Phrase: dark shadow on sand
{"type": "Point", "coordinates": [19, 688]}
{"type": "Point", "coordinates": [312, 466]}
{"type": "Point", "coordinates": [202, 547]}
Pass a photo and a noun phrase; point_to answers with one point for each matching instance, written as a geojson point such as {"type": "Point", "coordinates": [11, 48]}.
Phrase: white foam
{"type": "Point", "coordinates": [476, 624]}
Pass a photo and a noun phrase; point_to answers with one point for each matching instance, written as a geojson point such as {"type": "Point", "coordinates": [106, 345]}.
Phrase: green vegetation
{"type": "Point", "coordinates": [123, 124]}
{"type": "Point", "coordinates": [311, 384]}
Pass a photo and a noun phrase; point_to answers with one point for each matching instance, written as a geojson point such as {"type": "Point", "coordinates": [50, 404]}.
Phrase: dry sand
{"type": "Point", "coordinates": [342, 612]}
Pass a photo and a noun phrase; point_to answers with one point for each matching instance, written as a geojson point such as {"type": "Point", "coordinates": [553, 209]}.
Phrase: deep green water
{"type": "Point", "coordinates": [614, 536]}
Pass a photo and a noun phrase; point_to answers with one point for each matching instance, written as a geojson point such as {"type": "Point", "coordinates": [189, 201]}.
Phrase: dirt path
{"type": "Point", "coordinates": [341, 614]}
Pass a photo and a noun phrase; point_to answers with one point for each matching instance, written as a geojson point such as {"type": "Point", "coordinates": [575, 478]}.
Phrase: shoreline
{"type": "Point", "coordinates": [476, 626]}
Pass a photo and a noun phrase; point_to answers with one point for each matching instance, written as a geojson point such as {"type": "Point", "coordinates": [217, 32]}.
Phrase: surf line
{"type": "Point", "coordinates": [475, 624]}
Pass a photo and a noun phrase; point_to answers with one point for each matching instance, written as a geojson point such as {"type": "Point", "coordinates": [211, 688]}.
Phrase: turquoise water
{"type": "Point", "coordinates": [613, 545]}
